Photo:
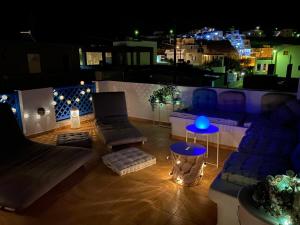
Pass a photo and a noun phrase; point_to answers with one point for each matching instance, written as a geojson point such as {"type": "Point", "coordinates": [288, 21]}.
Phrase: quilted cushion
{"type": "Point", "coordinates": [128, 160]}
{"type": "Point", "coordinates": [205, 99]}
{"type": "Point", "coordinates": [248, 169]}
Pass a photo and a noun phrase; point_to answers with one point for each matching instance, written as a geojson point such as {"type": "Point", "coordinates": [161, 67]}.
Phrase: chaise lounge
{"type": "Point", "coordinates": [112, 120]}
{"type": "Point", "coordinates": [28, 169]}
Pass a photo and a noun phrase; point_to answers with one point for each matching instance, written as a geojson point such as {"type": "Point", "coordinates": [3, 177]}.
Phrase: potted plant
{"type": "Point", "coordinates": [168, 94]}
{"type": "Point", "coordinates": [279, 196]}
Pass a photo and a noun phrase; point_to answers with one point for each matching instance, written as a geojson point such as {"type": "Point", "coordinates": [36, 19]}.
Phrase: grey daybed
{"type": "Point", "coordinates": [27, 169]}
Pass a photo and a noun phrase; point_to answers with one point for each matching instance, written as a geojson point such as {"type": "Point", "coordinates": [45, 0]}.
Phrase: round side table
{"type": "Point", "coordinates": [188, 163]}
{"type": "Point", "coordinates": [211, 130]}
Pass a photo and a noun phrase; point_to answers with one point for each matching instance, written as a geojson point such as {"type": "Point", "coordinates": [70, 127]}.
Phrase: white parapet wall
{"type": "Point", "coordinates": [138, 106]}
{"type": "Point", "coordinates": [30, 101]}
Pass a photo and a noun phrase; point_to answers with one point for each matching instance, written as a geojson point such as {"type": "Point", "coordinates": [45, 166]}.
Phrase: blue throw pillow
{"type": "Point", "coordinates": [295, 159]}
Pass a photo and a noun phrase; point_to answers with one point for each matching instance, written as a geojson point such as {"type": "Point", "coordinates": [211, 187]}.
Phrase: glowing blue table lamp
{"type": "Point", "coordinates": [202, 122]}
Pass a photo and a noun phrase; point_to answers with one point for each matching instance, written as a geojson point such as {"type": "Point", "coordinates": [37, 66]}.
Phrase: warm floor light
{"type": "Point", "coordinates": [75, 118]}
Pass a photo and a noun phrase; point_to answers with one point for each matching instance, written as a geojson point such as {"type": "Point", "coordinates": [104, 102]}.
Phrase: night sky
{"type": "Point", "coordinates": [71, 23]}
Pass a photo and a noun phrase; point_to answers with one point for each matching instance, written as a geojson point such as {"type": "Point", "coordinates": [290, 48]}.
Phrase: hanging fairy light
{"type": "Point", "coordinates": [13, 110]}
{"type": "Point", "coordinates": [82, 92]}
{"type": "Point", "coordinates": [55, 93]}
{"type": "Point", "coordinates": [88, 90]}
{"type": "Point", "coordinates": [91, 99]}
{"type": "Point", "coordinates": [69, 102]}
{"type": "Point", "coordinates": [77, 100]}
{"type": "Point", "coordinates": [82, 82]}
{"type": "Point", "coordinates": [53, 103]}
{"type": "Point", "coordinates": [4, 98]}
{"type": "Point", "coordinates": [61, 97]}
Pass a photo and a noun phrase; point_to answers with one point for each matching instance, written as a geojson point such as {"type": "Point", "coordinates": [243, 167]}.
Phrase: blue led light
{"type": "Point", "coordinates": [202, 122]}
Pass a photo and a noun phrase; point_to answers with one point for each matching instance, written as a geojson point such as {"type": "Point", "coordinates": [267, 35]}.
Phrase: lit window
{"type": "Point", "coordinates": [258, 67]}
{"type": "Point", "coordinates": [34, 62]}
{"type": "Point", "coordinates": [93, 58]}
{"type": "Point", "coordinates": [265, 67]}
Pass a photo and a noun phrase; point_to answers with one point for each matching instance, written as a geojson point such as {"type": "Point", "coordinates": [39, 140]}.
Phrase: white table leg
{"type": "Point", "coordinates": [218, 144]}
{"type": "Point", "coordinates": [207, 146]}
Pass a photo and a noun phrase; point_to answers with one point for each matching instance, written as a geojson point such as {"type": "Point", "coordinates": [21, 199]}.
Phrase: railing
{"type": "Point", "coordinates": [12, 99]}
{"type": "Point", "coordinates": [64, 98]}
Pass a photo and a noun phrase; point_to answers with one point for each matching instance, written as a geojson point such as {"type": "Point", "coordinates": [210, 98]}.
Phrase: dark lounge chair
{"type": "Point", "coordinates": [112, 119]}
{"type": "Point", "coordinates": [28, 169]}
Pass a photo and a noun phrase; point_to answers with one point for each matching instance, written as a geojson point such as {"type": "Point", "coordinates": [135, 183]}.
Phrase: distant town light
{"type": "Point", "coordinates": [136, 32]}
{"type": "Point", "coordinates": [258, 27]}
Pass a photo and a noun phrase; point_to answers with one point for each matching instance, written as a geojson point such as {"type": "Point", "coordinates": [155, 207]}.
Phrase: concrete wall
{"type": "Point", "coordinates": [30, 101]}
{"type": "Point", "coordinates": [137, 95]}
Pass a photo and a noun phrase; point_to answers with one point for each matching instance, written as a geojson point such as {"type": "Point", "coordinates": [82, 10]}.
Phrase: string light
{"type": "Point", "coordinates": [37, 116]}
{"type": "Point", "coordinates": [47, 111]}
{"type": "Point", "coordinates": [61, 97]}
{"type": "Point", "coordinates": [88, 90]}
{"type": "Point", "coordinates": [178, 162]}
{"type": "Point", "coordinates": [4, 97]}
{"type": "Point", "coordinates": [26, 115]}
{"type": "Point", "coordinates": [77, 100]}
{"type": "Point", "coordinates": [13, 110]}
{"type": "Point", "coordinates": [82, 82]}
{"type": "Point", "coordinates": [53, 103]}
{"type": "Point", "coordinates": [69, 102]}
{"type": "Point", "coordinates": [55, 93]}
{"type": "Point", "coordinates": [82, 92]}
{"type": "Point", "coordinates": [91, 99]}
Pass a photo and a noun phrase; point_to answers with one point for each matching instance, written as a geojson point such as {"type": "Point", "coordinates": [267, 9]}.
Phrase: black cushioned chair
{"type": "Point", "coordinates": [112, 119]}
{"type": "Point", "coordinates": [28, 169]}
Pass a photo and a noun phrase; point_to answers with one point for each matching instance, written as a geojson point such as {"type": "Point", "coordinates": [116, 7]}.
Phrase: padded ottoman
{"type": "Point", "coordinates": [78, 139]}
{"type": "Point", "coordinates": [128, 160]}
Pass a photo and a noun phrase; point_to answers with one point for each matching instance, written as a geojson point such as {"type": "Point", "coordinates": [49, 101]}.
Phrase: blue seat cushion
{"type": "Point", "coordinates": [214, 116]}
{"type": "Point", "coordinates": [244, 169]}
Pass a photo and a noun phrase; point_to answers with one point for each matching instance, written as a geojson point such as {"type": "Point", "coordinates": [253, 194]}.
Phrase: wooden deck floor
{"type": "Point", "coordinates": [98, 196]}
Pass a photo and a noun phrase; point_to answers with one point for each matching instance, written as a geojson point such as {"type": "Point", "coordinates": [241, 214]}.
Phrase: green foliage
{"type": "Point", "coordinates": [166, 94]}
{"type": "Point", "coordinates": [279, 196]}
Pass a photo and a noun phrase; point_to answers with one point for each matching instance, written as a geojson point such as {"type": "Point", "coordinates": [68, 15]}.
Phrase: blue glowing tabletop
{"type": "Point", "coordinates": [188, 149]}
{"type": "Point", "coordinates": [210, 130]}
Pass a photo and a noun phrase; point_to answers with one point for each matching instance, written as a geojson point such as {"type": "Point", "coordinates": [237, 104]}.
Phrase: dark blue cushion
{"type": "Point", "coordinates": [282, 116]}
{"type": "Point", "coordinates": [269, 141]}
{"type": "Point", "coordinates": [294, 106]}
{"type": "Point", "coordinates": [205, 99]}
{"type": "Point", "coordinates": [232, 101]}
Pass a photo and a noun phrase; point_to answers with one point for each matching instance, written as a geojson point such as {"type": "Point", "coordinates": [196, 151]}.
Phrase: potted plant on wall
{"type": "Point", "coordinates": [168, 94]}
